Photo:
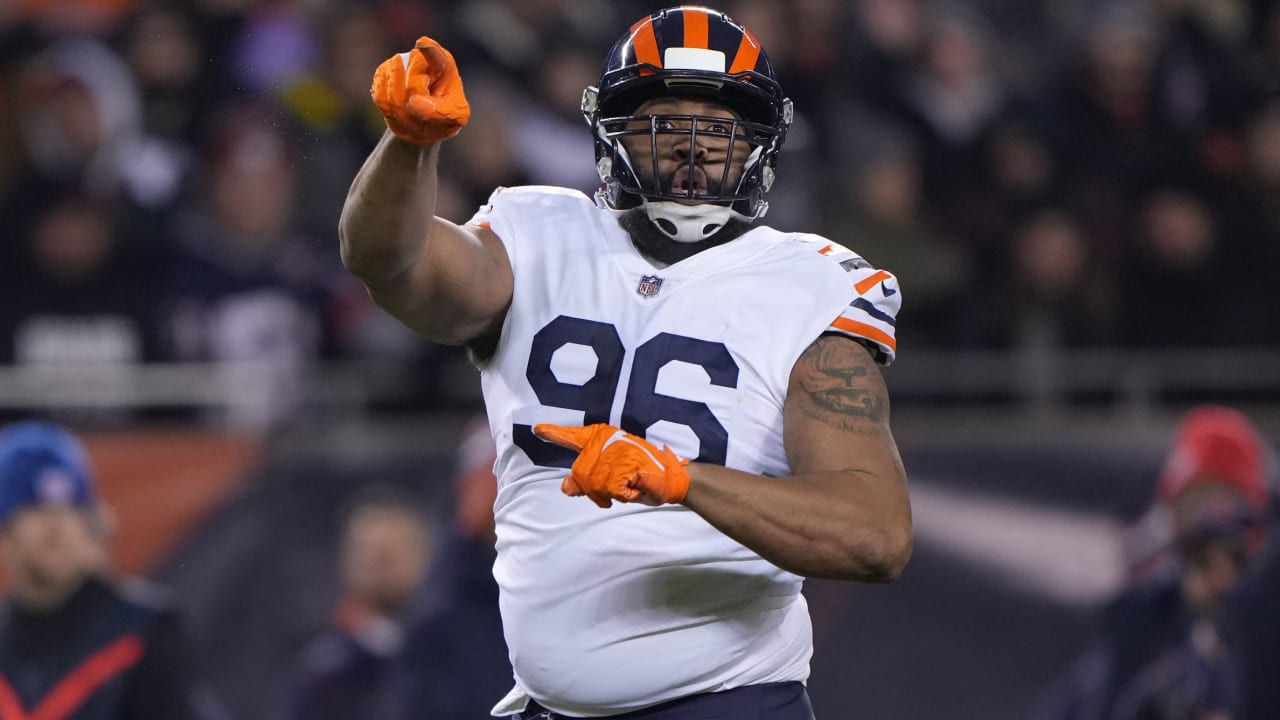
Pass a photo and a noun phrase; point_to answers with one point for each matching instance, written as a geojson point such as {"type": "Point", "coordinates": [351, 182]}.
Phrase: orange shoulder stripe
{"type": "Point", "coordinates": [867, 331]}
{"type": "Point", "coordinates": [862, 286]}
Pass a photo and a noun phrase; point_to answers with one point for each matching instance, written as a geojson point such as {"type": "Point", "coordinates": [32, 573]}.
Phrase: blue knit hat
{"type": "Point", "coordinates": [42, 464]}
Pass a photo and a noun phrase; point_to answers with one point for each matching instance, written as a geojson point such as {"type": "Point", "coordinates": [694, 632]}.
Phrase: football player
{"type": "Point", "coordinates": [709, 385]}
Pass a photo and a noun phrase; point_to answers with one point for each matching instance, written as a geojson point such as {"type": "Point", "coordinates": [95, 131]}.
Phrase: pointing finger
{"type": "Point", "coordinates": [574, 438]}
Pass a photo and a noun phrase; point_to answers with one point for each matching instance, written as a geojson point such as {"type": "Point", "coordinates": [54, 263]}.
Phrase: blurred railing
{"type": "Point", "coordinates": [1126, 383]}
{"type": "Point", "coordinates": [237, 394]}
{"type": "Point", "coordinates": [1128, 380]}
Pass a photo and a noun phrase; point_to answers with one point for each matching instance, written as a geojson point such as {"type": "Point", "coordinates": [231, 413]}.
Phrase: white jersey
{"type": "Point", "coordinates": [607, 611]}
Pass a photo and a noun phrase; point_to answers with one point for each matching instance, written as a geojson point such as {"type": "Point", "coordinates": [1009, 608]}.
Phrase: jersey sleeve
{"type": "Point", "coordinates": [874, 301]}
{"type": "Point", "coordinates": [520, 215]}
{"type": "Point", "coordinates": [502, 214]}
{"type": "Point", "coordinates": [492, 214]}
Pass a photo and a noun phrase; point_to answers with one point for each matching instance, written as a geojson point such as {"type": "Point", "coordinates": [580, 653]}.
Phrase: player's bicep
{"type": "Point", "coordinates": [460, 287]}
{"type": "Point", "coordinates": [839, 445]}
{"type": "Point", "coordinates": [836, 415]}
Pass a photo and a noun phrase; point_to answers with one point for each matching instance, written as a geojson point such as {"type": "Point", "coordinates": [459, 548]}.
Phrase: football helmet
{"type": "Point", "coordinates": [688, 51]}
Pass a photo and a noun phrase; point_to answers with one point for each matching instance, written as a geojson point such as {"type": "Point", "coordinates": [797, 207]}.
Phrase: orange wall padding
{"type": "Point", "coordinates": [161, 483]}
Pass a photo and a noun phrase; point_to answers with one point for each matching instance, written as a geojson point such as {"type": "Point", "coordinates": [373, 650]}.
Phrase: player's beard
{"type": "Point", "coordinates": [657, 245]}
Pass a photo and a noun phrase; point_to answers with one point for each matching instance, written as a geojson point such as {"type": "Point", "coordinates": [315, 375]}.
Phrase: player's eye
{"type": "Point", "coordinates": [718, 128]}
{"type": "Point", "coordinates": [663, 124]}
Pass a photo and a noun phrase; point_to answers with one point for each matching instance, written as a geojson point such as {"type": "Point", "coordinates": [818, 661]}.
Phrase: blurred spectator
{"type": "Point", "coordinates": [1104, 125]}
{"type": "Point", "coordinates": [73, 640]}
{"type": "Point", "coordinates": [1109, 92]}
{"type": "Point", "coordinates": [890, 35]}
{"type": "Point", "coordinates": [334, 125]}
{"type": "Point", "coordinates": [953, 95]}
{"type": "Point", "coordinates": [1055, 296]}
{"type": "Point", "coordinates": [1181, 260]}
{"type": "Point", "coordinates": [549, 143]}
{"type": "Point", "coordinates": [514, 36]}
{"type": "Point", "coordinates": [470, 172]}
{"type": "Point", "coordinates": [1166, 651]}
{"type": "Point", "coordinates": [1014, 174]}
{"type": "Point", "coordinates": [1263, 57]}
{"type": "Point", "coordinates": [80, 118]}
{"type": "Point", "coordinates": [346, 672]}
{"type": "Point", "coordinates": [1084, 172]}
{"type": "Point", "coordinates": [1262, 178]}
{"type": "Point", "coordinates": [799, 196]}
{"type": "Point", "coordinates": [247, 287]}
{"type": "Point", "coordinates": [1248, 201]}
{"type": "Point", "coordinates": [883, 218]}
{"type": "Point", "coordinates": [332, 128]}
{"type": "Point", "coordinates": [455, 664]}
{"type": "Point", "coordinates": [1200, 78]}
{"type": "Point", "coordinates": [84, 300]}
{"type": "Point", "coordinates": [813, 37]}
{"type": "Point", "coordinates": [1007, 107]}
{"type": "Point", "coordinates": [166, 55]}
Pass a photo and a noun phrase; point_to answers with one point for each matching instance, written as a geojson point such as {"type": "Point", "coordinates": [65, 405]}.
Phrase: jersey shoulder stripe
{"type": "Point", "coordinates": [874, 299]}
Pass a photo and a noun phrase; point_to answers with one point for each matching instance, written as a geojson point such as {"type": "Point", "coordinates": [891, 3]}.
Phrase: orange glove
{"type": "Point", "coordinates": [420, 93]}
{"type": "Point", "coordinates": [616, 465]}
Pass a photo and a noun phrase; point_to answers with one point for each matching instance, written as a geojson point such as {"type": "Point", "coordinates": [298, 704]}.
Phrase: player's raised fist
{"type": "Point", "coordinates": [420, 94]}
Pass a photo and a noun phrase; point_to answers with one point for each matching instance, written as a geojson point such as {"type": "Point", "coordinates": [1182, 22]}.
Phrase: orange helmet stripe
{"type": "Point", "coordinates": [646, 44]}
{"type": "Point", "coordinates": [747, 55]}
{"type": "Point", "coordinates": [696, 27]}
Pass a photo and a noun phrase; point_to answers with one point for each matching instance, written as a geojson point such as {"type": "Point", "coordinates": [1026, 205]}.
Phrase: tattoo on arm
{"type": "Point", "coordinates": [840, 386]}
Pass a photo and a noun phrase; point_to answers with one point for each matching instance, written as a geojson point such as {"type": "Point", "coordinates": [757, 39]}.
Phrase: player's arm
{"type": "Point", "coordinates": [844, 512]}
{"type": "Point", "coordinates": [448, 282]}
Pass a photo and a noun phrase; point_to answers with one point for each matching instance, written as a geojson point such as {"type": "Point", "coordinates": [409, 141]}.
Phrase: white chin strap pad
{"type": "Point", "coordinates": [688, 223]}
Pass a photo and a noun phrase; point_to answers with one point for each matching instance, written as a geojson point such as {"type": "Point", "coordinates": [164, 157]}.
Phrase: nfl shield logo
{"type": "Point", "coordinates": [649, 285]}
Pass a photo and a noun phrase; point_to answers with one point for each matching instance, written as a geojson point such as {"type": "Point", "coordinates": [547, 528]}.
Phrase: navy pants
{"type": "Point", "coordinates": [772, 701]}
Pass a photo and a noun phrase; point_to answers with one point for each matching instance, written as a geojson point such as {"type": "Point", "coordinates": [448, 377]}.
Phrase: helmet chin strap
{"type": "Point", "coordinates": [689, 223]}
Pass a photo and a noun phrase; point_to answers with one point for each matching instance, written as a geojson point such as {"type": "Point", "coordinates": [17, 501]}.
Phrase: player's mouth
{"type": "Point", "coordinates": [686, 179]}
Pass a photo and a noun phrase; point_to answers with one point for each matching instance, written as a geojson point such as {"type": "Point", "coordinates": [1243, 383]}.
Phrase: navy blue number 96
{"type": "Point", "coordinates": [644, 405]}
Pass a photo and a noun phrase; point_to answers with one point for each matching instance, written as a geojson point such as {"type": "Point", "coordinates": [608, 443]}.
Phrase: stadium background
{"type": "Point", "coordinates": [1081, 198]}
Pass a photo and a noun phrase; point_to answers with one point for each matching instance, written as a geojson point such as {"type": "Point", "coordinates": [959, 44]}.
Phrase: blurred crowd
{"type": "Point", "coordinates": [1061, 173]}
{"type": "Point", "coordinates": [1185, 637]}
{"type": "Point", "coordinates": [1037, 172]}
{"type": "Point", "coordinates": [409, 626]}
{"type": "Point", "coordinates": [413, 631]}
